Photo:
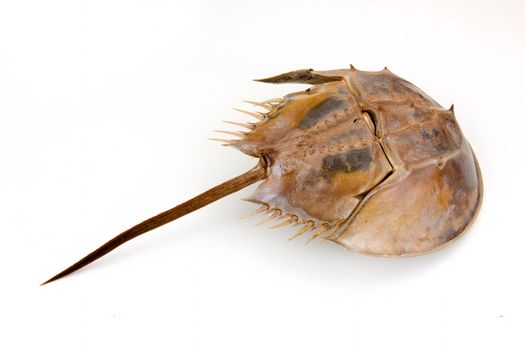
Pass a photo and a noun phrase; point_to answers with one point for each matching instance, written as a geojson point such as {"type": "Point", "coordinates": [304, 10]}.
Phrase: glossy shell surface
{"type": "Point", "coordinates": [366, 160]}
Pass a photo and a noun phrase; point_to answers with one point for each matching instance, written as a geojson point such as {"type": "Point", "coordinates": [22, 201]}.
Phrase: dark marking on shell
{"type": "Point", "coordinates": [449, 234]}
{"type": "Point", "coordinates": [319, 111]}
{"type": "Point", "coordinates": [354, 160]}
{"type": "Point", "coordinates": [428, 136]}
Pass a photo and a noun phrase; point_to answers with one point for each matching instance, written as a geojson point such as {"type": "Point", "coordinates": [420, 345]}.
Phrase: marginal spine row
{"type": "Point", "coordinates": [320, 229]}
{"type": "Point", "coordinates": [262, 117]}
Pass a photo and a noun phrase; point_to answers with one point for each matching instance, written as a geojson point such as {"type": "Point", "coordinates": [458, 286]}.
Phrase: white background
{"type": "Point", "coordinates": [105, 112]}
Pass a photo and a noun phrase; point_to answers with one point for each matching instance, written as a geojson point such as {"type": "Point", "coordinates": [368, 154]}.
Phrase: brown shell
{"type": "Point", "coordinates": [366, 159]}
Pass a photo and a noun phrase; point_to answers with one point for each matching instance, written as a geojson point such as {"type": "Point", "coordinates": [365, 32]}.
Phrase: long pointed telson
{"type": "Point", "coordinates": [256, 174]}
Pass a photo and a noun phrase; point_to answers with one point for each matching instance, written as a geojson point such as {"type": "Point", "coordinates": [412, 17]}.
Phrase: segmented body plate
{"type": "Point", "coordinates": [368, 159]}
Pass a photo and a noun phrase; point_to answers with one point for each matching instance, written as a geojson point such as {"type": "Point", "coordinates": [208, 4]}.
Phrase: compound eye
{"type": "Point", "coordinates": [371, 120]}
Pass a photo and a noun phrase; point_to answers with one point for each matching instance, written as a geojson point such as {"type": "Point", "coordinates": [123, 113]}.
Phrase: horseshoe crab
{"type": "Point", "coordinates": [363, 159]}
